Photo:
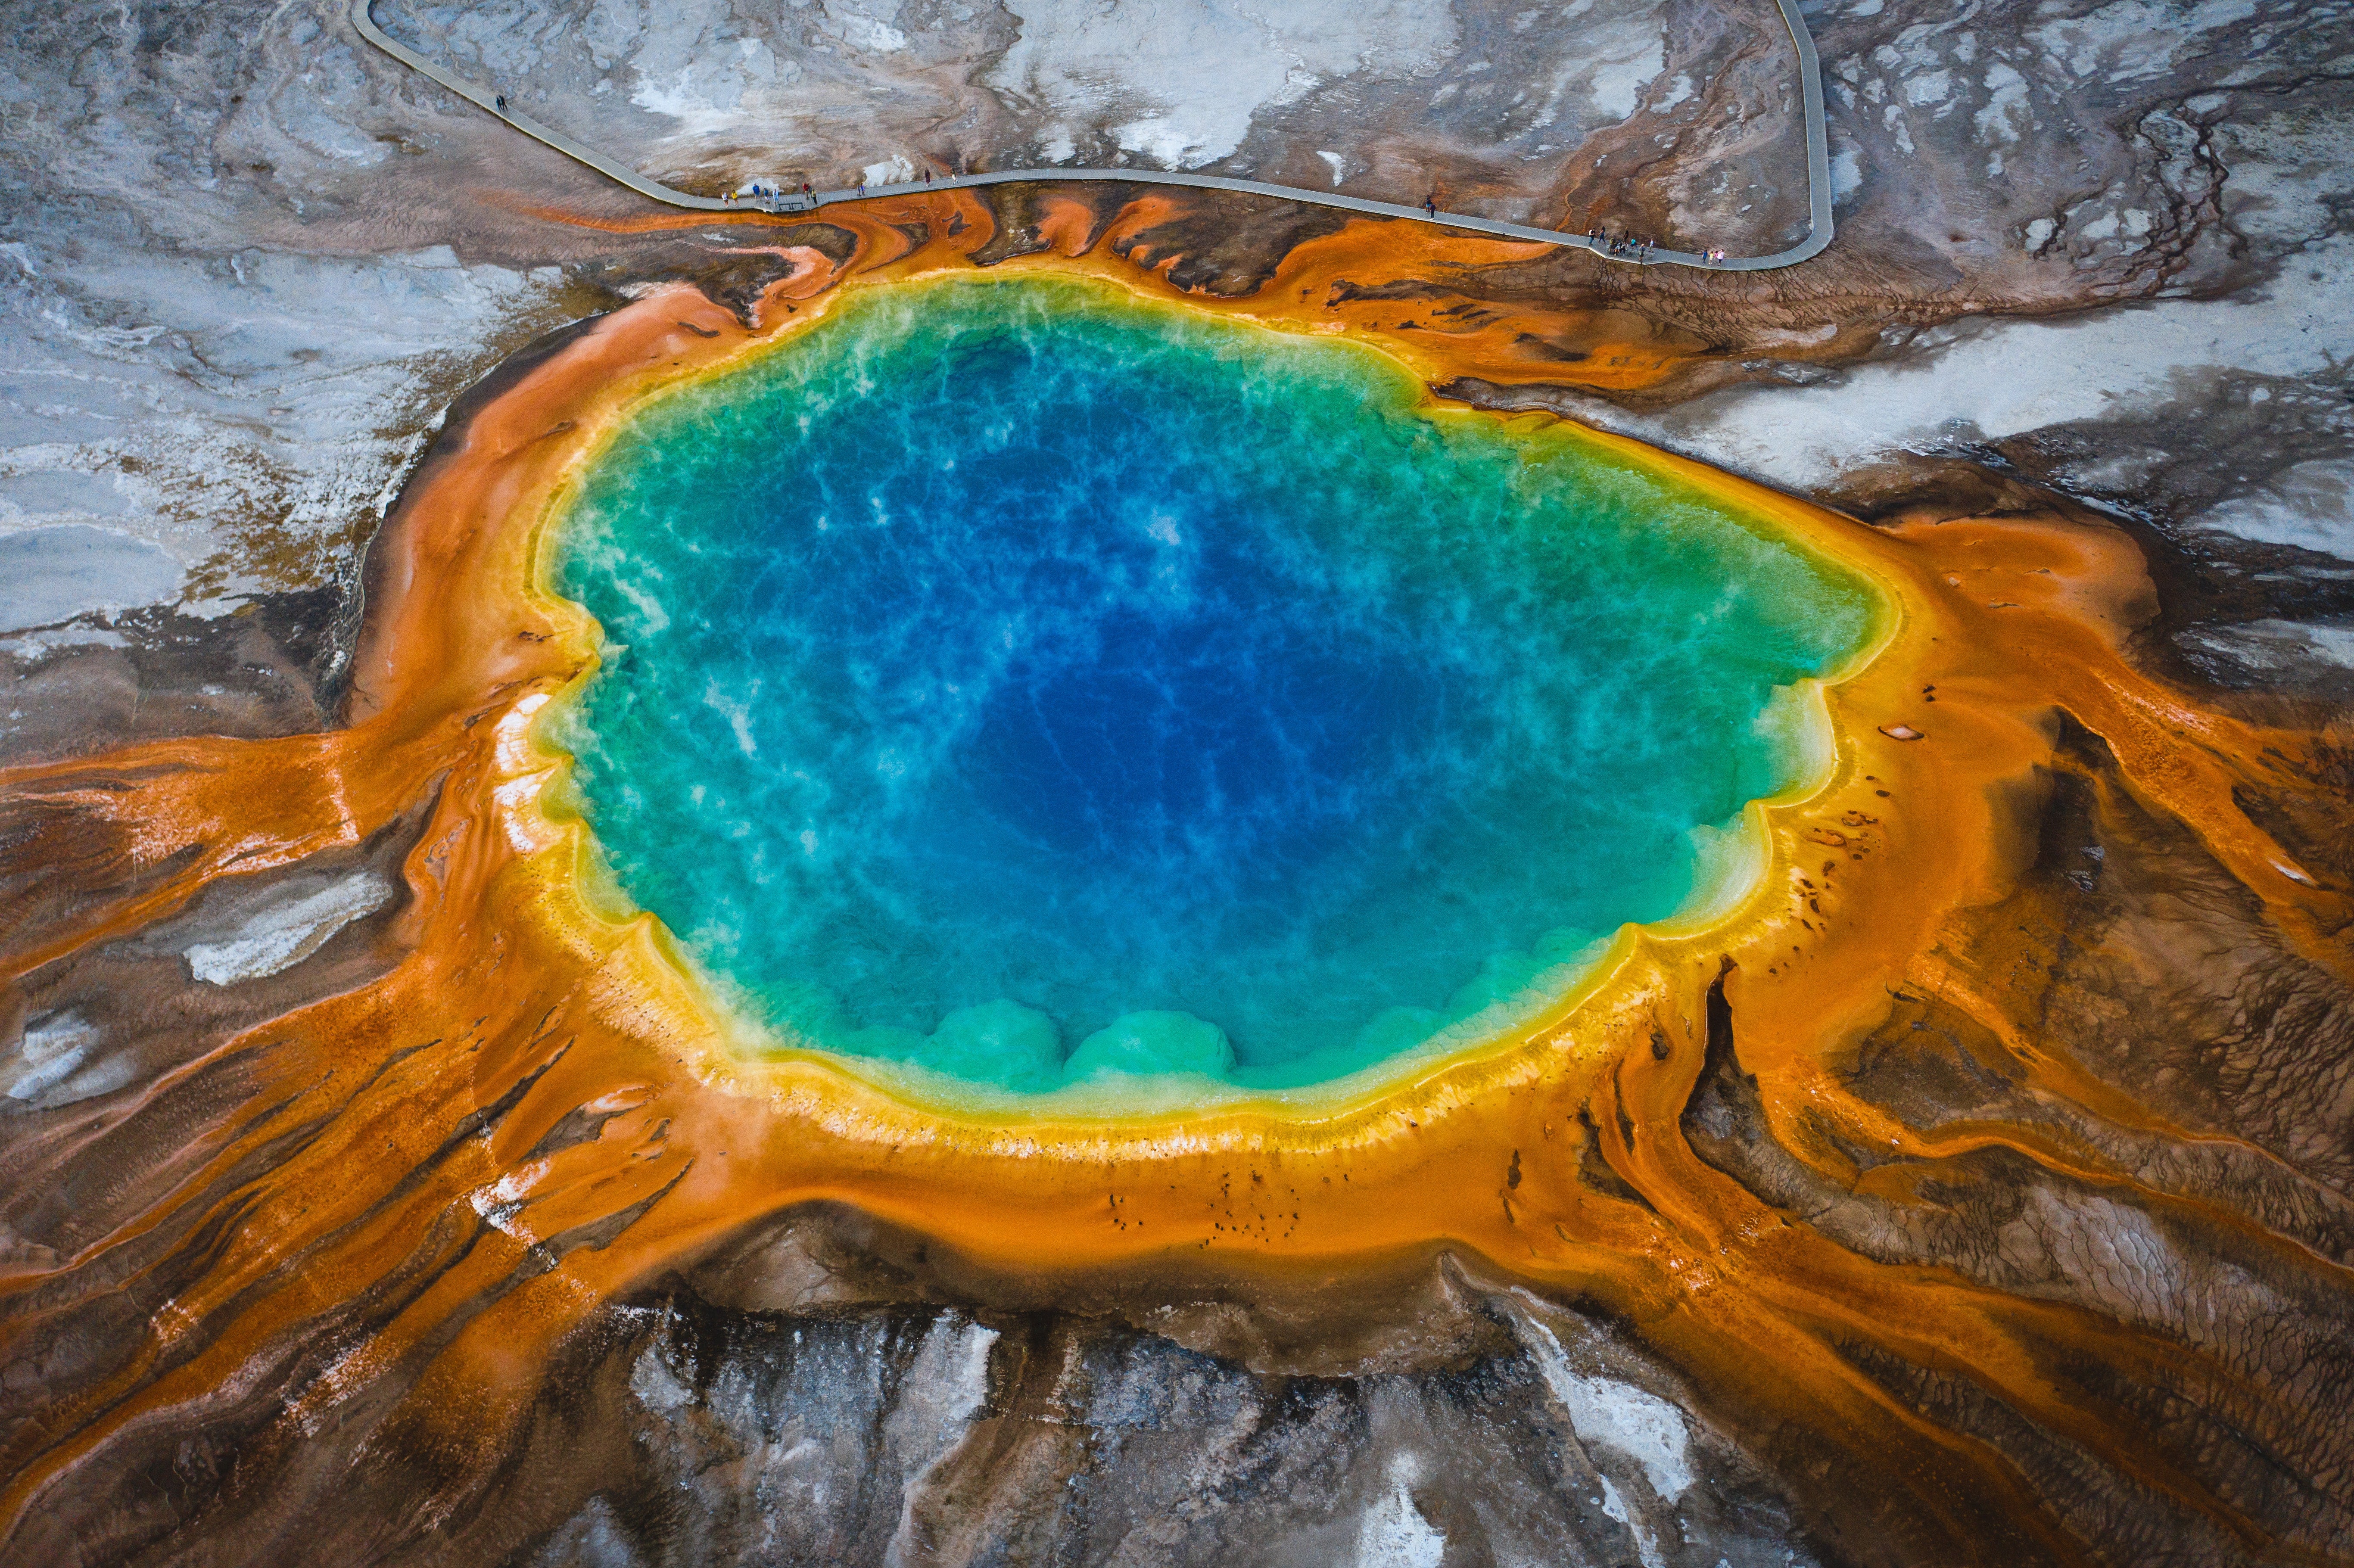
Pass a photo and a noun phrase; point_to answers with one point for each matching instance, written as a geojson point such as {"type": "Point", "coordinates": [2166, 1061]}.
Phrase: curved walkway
{"type": "Point", "coordinates": [1810, 86]}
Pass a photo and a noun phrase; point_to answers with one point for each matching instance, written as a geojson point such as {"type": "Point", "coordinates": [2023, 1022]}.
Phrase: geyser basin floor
{"type": "Point", "coordinates": [426, 1183]}
{"type": "Point", "coordinates": [1026, 683]}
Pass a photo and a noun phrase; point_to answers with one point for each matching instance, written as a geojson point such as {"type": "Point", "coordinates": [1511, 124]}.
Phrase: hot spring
{"type": "Point", "coordinates": [1023, 683]}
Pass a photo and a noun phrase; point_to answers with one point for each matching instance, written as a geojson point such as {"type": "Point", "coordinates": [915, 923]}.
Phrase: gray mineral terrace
{"type": "Point", "coordinates": [1819, 170]}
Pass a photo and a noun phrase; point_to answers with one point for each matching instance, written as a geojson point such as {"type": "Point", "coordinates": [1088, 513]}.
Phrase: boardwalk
{"type": "Point", "coordinates": [1810, 87]}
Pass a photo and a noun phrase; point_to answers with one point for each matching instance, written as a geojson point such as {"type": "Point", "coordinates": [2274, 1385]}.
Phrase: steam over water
{"type": "Point", "coordinates": [1028, 684]}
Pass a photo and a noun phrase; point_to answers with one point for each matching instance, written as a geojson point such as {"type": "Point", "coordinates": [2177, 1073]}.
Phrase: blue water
{"type": "Point", "coordinates": [1027, 683]}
